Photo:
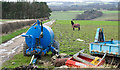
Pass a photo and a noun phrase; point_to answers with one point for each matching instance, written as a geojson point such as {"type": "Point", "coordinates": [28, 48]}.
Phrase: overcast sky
{"type": "Point", "coordinates": [67, 0]}
{"type": "Point", "coordinates": [77, 0]}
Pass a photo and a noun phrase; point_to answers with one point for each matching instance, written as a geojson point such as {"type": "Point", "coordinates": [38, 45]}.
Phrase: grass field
{"type": "Point", "coordinates": [20, 60]}
{"type": "Point", "coordinates": [108, 15]}
{"type": "Point", "coordinates": [68, 15]}
{"type": "Point", "coordinates": [111, 11]}
{"type": "Point", "coordinates": [64, 15]}
{"type": "Point", "coordinates": [67, 39]}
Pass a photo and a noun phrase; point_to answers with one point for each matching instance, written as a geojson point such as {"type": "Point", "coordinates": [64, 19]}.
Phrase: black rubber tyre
{"type": "Point", "coordinates": [25, 47]}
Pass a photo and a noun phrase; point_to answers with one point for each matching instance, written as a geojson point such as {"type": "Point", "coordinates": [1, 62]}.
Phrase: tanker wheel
{"type": "Point", "coordinates": [25, 47]}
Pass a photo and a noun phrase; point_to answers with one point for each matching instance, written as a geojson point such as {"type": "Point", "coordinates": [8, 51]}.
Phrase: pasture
{"type": "Point", "coordinates": [68, 15]}
{"type": "Point", "coordinates": [64, 15]}
{"type": "Point", "coordinates": [68, 39]}
{"type": "Point", "coordinates": [108, 15]}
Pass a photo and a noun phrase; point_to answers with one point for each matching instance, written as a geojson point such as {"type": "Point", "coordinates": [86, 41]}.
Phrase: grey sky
{"type": "Point", "coordinates": [67, 0]}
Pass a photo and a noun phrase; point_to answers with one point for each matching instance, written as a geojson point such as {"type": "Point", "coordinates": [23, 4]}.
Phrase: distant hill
{"type": "Point", "coordinates": [88, 15]}
{"type": "Point", "coordinates": [66, 6]}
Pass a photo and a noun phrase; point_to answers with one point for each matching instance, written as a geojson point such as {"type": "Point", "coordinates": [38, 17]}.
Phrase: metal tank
{"type": "Point", "coordinates": [39, 40]}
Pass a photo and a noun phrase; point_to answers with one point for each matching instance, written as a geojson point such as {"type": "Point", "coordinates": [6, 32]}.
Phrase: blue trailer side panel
{"type": "Point", "coordinates": [112, 48]}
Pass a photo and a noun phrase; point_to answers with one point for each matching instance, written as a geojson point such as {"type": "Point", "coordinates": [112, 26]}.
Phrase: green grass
{"type": "Point", "coordinates": [12, 35]}
{"type": "Point", "coordinates": [68, 15]}
{"type": "Point", "coordinates": [107, 16]}
{"type": "Point", "coordinates": [3, 20]}
{"type": "Point", "coordinates": [21, 60]}
{"type": "Point", "coordinates": [88, 22]}
{"type": "Point", "coordinates": [67, 39]}
{"type": "Point", "coordinates": [64, 15]}
{"type": "Point", "coordinates": [111, 12]}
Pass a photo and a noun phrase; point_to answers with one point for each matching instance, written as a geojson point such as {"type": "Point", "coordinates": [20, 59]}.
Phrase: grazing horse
{"type": "Point", "coordinates": [75, 25]}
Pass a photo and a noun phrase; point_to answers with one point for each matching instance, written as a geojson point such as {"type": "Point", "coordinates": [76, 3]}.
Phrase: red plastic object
{"type": "Point", "coordinates": [71, 62]}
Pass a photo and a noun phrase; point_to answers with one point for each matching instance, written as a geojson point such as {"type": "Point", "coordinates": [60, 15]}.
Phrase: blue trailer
{"type": "Point", "coordinates": [100, 46]}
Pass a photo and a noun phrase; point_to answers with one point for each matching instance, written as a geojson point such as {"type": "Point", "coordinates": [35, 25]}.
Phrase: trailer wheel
{"type": "Point", "coordinates": [25, 47]}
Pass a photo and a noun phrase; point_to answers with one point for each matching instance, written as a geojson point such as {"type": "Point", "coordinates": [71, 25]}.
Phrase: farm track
{"type": "Point", "coordinates": [14, 46]}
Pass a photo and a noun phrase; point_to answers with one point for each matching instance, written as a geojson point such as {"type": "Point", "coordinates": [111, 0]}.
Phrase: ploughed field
{"type": "Point", "coordinates": [71, 41]}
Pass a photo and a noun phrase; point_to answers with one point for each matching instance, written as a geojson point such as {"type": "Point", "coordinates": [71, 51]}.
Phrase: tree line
{"type": "Point", "coordinates": [25, 10]}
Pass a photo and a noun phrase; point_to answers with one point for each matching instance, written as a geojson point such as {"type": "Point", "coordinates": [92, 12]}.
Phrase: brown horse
{"type": "Point", "coordinates": [75, 25]}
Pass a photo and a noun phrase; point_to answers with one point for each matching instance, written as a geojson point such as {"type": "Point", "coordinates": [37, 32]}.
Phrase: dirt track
{"type": "Point", "coordinates": [14, 46]}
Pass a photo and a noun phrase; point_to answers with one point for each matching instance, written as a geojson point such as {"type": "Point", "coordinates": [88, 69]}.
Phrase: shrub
{"type": "Point", "coordinates": [12, 26]}
{"type": "Point", "coordinates": [88, 15]}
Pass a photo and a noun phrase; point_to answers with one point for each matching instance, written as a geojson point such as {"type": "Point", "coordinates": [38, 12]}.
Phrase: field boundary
{"type": "Point", "coordinates": [8, 27]}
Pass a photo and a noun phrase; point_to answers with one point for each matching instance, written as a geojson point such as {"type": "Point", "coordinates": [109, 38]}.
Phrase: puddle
{"type": "Point", "coordinates": [9, 53]}
{"type": "Point", "coordinates": [2, 56]}
{"type": "Point", "coordinates": [2, 50]}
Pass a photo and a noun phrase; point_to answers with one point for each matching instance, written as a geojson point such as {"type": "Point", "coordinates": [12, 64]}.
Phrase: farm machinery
{"type": "Point", "coordinates": [111, 48]}
{"type": "Point", "coordinates": [39, 40]}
